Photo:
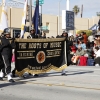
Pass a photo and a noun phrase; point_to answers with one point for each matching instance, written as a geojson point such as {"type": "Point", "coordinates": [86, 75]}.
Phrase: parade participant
{"type": "Point", "coordinates": [68, 44]}
{"type": "Point", "coordinates": [32, 34]}
{"type": "Point", "coordinates": [43, 35]}
{"type": "Point", "coordinates": [6, 52]}
{"type": "Point", "coordinates": [1, 60]}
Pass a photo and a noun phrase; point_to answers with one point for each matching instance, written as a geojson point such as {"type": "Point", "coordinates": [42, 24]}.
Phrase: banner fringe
{"type": "Point", "coordinates": [41, 71]}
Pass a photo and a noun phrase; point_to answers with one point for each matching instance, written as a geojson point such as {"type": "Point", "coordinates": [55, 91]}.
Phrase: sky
{"type": "Point", "coordinates": [90, 7]}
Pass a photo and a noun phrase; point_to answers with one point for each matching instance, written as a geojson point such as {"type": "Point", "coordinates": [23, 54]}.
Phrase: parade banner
{"type": "Point", "coordinates": [40, 55]}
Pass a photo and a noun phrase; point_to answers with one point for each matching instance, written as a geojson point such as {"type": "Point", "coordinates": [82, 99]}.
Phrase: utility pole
{"type": "Point", "coordinates": [67, 8]}
{"type": "Point", "coordinates": [67, 4]}
{"type": "Point", "coordinates": [59, 17]}
{"type": "Point", "coordinates": [30, 15]}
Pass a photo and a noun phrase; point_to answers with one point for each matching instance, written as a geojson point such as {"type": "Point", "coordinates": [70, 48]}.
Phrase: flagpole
{"type": "Point", "coordinates": [41, 20]}
{"type": "Point", "coordinates": [10, 18]}
{"type": "Point", "coordinates": [30, 15]}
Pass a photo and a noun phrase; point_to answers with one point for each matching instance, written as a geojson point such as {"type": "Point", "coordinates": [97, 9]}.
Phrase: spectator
{"type": "Point", "coordinates": [97, 56]}
{"type": "Point", "coordinates": [98, 33]}
{"type": "Point", "coordinates": [80, 37]}
{"type": "Point", "coordinates": [73, 47]}
{"type": "Point", "coordinates": [85, 37]}
{"type": "Point", "coordinates": [79, 52]}
{"type": "Point", "coordinates": [83, 45]}
{"type": "Point", "coordinates": [91, 38]}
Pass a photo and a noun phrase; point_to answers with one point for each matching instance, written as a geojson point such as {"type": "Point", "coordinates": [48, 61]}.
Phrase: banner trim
{"type": "Point", "coordinates": [20, 73]}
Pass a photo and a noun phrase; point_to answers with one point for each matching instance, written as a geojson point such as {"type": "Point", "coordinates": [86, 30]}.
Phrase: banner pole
{"type": "Point", "coordinates": [10, 19]}
{"type": "Point", "coordinates": [65, 52]}
{"type": "Point", "coordinates": [30, 18]}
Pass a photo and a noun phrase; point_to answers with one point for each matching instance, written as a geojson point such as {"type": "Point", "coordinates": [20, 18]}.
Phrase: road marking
{"type": "Point", "coordinates": [58, 85]}
{"type": "Point", "coordinates": [64, 85]}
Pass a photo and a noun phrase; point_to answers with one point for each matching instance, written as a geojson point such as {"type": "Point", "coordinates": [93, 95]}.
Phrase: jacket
{"type": "Point", "coordinates": [80, 52]}
{"type": "Point", "coordinates": [85, 38]}
{"type": "Point", "coordinates": [31, 36]}
{"type": "Point", "coordinates": [6, 46]}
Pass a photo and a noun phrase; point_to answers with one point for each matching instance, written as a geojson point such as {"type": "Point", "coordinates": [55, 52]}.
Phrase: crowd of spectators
{"type": "Point", "coordinates": [84, 50]}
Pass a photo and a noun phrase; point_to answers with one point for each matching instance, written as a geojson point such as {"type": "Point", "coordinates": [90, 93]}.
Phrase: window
{"type": "Point", "coordinates": [16, 32]}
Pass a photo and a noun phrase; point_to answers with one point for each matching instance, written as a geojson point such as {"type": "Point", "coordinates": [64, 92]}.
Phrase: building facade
{"type": "Point", "coordinates": [50, 21]}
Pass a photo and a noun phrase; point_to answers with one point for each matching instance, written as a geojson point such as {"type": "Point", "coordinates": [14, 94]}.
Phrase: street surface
{"type": "Point", "coordinates": [79, 83]}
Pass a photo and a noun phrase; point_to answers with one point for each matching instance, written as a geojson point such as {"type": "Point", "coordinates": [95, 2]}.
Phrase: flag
{"type": "Point", "coordinates": [24, 19]}
{"type": "Point", "coordinates": [35, 18]}
{"type": "Point", "coordinates": [4, 17]}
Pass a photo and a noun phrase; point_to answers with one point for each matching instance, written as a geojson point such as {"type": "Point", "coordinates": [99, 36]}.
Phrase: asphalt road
{"type": "Point", "coordinates": [80, 83]}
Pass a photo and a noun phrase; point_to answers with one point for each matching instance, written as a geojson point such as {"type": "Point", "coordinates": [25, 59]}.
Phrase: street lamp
{"type": "Point", "coordinates": [98, 14]}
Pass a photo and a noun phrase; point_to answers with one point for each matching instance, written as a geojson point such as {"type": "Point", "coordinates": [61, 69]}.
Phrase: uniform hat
{"type": "Point", "coordinates": [6, 31]}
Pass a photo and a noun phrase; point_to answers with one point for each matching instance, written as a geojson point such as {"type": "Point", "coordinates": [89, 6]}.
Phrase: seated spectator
{"type": "Point", "coordinates": [82, 44]}
{"type": "Point", "coordinates": [97, 56]}
{"type": "Point", "coordinates": [79, 52]}
{"type": "Point", "coordinates": [73, 47]}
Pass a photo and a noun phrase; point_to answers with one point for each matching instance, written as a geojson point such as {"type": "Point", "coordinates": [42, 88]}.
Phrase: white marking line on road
{"type": "Point", "coordinates": [63, 85]}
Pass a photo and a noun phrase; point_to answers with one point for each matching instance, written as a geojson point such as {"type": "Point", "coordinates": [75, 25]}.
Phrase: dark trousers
{"type": "Point", "coordinates": [97, 60]}
{"type": "Point", "coordinates": [7, 63]}
{"type": "Point", "coordinates": [1, 64]}
{"type": "Point", "coordinates": [69, 56]}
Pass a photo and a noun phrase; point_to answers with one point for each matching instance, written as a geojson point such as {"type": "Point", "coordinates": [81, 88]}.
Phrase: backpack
{"type": "Point", "coordinates": [90, 62]}
{"type": "Point", "coordinates": [83, 61]}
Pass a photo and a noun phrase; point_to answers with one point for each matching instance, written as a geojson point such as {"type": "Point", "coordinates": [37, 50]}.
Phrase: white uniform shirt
{"type": "Point", "coordinates": [91, 38]}
{"type": "Point", "coordinates": [97, 53]}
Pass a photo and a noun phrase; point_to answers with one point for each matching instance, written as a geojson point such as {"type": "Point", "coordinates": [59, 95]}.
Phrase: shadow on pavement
{"type": "Point", "coordinates": [82, 72]}
{"type": "Point", "coordinates": [11, 84]}
{"type": "Point", "coordinates": [68, 73]}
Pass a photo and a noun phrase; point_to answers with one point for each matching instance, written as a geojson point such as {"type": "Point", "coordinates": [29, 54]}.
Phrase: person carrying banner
{"type": "Point", "coordinates": [32, 36]}
{"type": "Point", "coordinates": [6, 52]}
{"type": "Point", "coordinates": [68, 44]}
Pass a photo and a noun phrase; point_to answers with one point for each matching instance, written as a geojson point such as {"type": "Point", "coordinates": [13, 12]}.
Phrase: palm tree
{"type": "Point", "coordinates": [76, 10]}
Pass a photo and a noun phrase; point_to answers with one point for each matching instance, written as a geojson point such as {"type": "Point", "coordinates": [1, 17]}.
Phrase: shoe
{"type": "Point", "coordinates": [11, 80]}
{"type": "Point", "coordinates": [97, 65]}
{"type": "Point", "coordinates": [63, 74]}
{"type": "Point", "coordinates": [1, 79]}
{"type": "Point", "coordinates": [13, 75]}
{"type": "Point", "coordinates": [36, 75]}
{"type": "Point", "coordinates": [24, 76]}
